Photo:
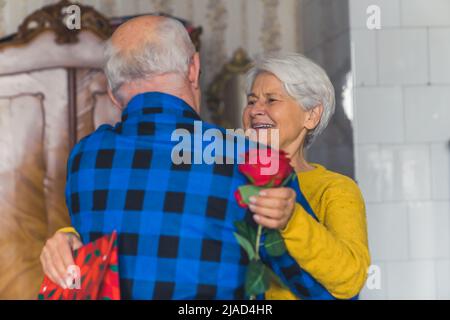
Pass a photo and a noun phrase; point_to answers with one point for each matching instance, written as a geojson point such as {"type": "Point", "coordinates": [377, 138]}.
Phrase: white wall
{"type": "Point", "coordinates": [402, 132]}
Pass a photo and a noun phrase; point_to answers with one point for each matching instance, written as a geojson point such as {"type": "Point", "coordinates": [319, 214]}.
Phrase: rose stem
{"type": "Point", "coordinates": [258, 240]}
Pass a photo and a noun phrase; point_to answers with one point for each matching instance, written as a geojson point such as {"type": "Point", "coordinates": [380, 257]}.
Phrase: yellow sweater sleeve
{"type": "Point", "coordinates": [335, 251]}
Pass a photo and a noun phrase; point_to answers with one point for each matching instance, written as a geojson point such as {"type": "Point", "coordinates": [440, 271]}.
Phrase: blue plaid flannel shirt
{"type": "Point", "coordinates": [175, 223]}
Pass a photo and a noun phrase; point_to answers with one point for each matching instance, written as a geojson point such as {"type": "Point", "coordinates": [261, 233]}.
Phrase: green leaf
{"type": "Point", "coordinates": [248, 247]}
{"type": "Point", "coordinates": [242, 228]}
{"type": "Point", "coordinates": [270, 184]}
{"type": "Point", "coordinates": [246, 230]}
{"type": "Point", "coordinates": [288, 179]}
{"type": "Point", "coordinates": [248, 191]}
{"type": "Point", "coordinates": [256, 279]}
{"type": "Point", "coordinates": [274, 243]}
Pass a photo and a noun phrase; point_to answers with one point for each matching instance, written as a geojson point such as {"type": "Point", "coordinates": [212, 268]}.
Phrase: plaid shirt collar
{"type": "Point", "coordinates": [156, 103]}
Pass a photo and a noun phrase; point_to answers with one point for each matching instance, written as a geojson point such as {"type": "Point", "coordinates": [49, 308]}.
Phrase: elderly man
{"type": "Point", "coordinates": [175, 223]}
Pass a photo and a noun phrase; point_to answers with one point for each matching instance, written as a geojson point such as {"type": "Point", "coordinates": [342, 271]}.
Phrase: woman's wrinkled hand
{"type": "Point", "coordinates": [273, 208]}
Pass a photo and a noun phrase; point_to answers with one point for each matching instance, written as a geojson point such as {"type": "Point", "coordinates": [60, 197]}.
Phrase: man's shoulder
{"type": "Point", "coordinates": [92, 140]}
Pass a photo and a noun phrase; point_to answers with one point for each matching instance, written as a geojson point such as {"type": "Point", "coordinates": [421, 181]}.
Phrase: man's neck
{"type": "Point", "coordinates": [169, 84]}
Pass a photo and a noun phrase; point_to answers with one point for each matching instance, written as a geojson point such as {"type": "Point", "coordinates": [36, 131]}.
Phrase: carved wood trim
{"type": "Point", "coordinates": [51, 18]}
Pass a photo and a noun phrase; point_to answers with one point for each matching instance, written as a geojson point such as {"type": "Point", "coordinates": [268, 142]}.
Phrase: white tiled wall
{"type": "Point", "coordinates": [411, 279]}
{"type": "Point", "coordinates": [374, 104]}
{"type": "Point", "coordinates": [402, 56]}
{"type": "Point", "coordinates": [440, 171]}
{"type": "Point", "coordinates": [402, 132]}
{"type": "Point", "coordinates": [428, 13]}
{"type": "Point", "coordinates": [364, 54]}
{"type": "Point", "coordinates": [429, 224]}
{"type": "Point", "coordinates": [394, 172]}
{"type": "Point", "coordinates": [439, 52]}
{"type": "Point", "coordinates": [427, 113]}
{"type": "Point", "coordinates": [443, 279]}
{"type": "Point", "coordinates": [393, 244]}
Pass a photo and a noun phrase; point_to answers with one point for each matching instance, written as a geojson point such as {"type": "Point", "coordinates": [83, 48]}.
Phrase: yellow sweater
{"type": "Point", "coordinates": [335, 251]}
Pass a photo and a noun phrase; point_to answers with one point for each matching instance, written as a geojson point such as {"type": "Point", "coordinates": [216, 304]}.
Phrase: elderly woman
{"type": "Point", "coordinates": [292, 94]}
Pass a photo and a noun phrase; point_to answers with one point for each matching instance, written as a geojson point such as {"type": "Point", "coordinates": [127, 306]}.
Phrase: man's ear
{"type": "Point", "coordinates": [115, 102]}
{"type": "Point", "coordinates": [313, 119]}
{"type": "Point", "coordinates": [194, 71]}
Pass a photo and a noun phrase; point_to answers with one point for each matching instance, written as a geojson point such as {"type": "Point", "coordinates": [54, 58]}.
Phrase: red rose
{"type": "Point", "coordinates": [266, 167]}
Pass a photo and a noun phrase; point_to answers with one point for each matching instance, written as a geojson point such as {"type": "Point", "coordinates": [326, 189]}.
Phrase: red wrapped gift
{"type": "Point", "coordinates": [95, 276]}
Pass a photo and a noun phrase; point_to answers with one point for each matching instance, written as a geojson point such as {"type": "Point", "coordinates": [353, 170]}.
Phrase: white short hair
{"type": "Point", "coordinates": [303, 80]}
{"type": "Point", "coordinates": [170, 51]}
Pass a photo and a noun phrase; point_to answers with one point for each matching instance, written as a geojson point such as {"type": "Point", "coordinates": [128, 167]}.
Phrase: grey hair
{"type": "Point", "coordinates": [303, 80]}
{"type": "Point", "coordinates": [169, 52]}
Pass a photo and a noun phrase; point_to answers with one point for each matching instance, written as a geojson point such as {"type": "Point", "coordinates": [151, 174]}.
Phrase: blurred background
{"type": "Point", "coordinates": [389, 61]}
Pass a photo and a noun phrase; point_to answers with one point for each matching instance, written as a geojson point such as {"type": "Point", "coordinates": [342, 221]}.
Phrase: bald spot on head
{"type": "Point", "coordinates": [136, 32]}
{"type": "Point", "coordinates": [152, 54]}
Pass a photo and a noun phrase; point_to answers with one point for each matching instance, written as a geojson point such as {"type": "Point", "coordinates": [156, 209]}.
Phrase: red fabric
{"type": "Point", "coordinates": [99, 271]}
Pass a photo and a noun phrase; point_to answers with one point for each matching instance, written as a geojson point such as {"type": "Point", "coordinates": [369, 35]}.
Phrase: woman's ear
{"type": "Point", "coordinates": [314, 116]}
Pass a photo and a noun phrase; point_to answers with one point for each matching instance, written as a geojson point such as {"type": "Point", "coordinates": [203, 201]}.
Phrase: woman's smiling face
{"type": "Point", "coordinates": [270, 107]}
